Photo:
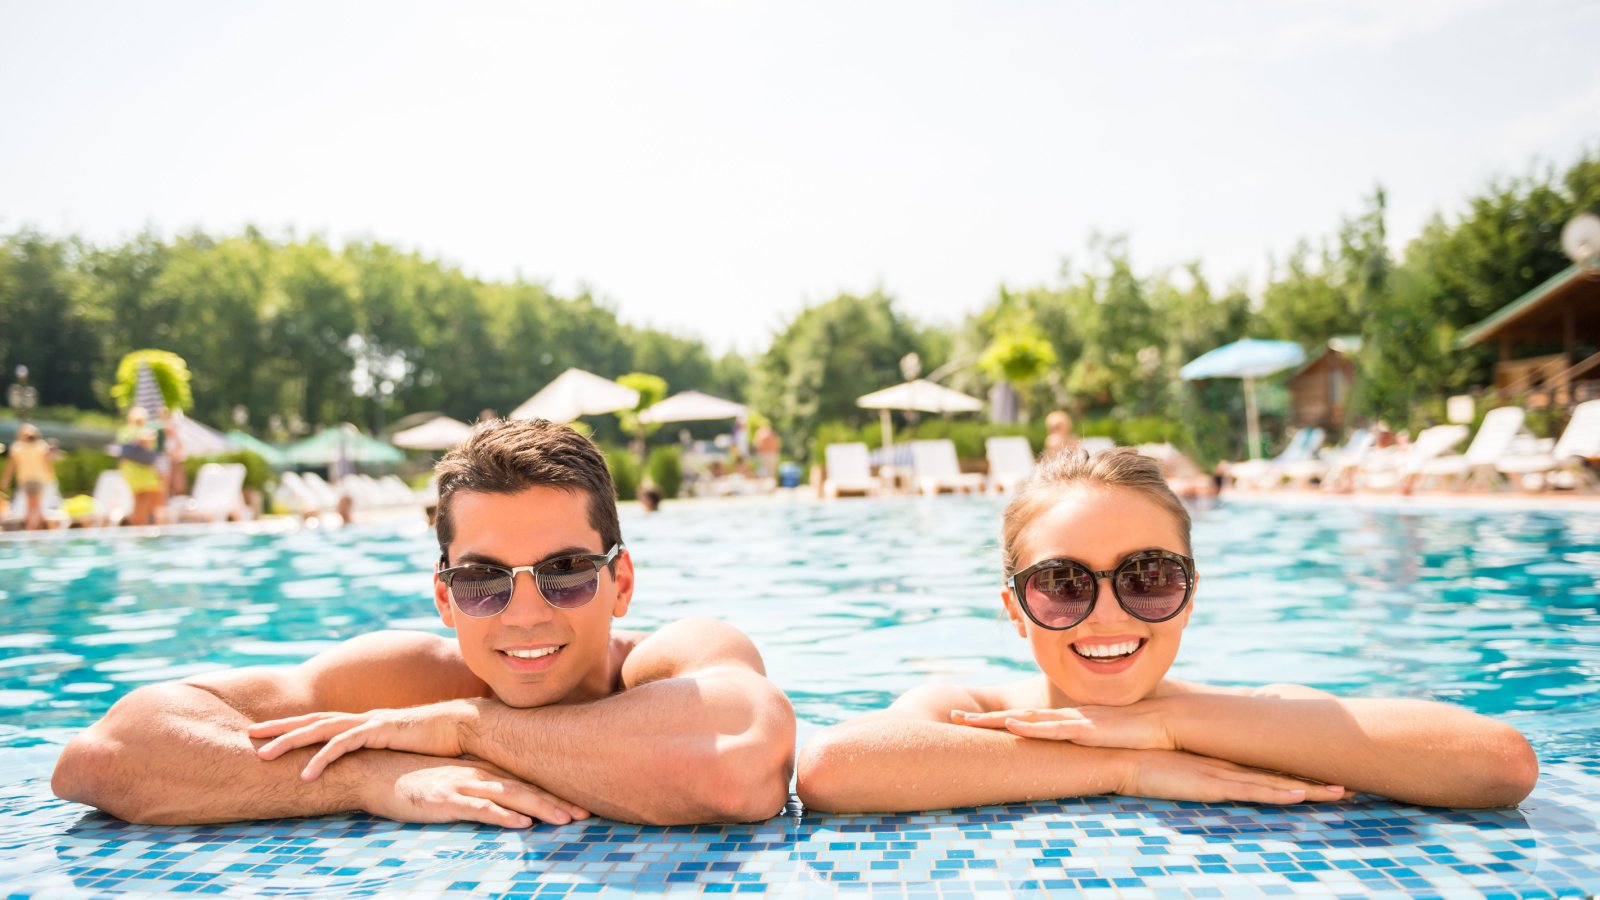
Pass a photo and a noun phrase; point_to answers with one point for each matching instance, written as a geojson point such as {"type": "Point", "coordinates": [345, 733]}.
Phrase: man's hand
{"type": "Point", "coordinates": [1139, 726]}
{"type": "Point", "coordinates": [1176, 775]}
{"type": "Point", "coordinates": [432, 730]}
{"type": "Point", "coordinates": [441, 791]}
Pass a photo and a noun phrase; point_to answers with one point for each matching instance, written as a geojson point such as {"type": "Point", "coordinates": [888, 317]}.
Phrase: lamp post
{"type": "Point", "coordinates": [22, 396]}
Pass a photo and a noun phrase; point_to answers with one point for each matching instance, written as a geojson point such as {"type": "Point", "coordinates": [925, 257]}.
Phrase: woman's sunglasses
{"type": "Point", "coordinates": [481, 590]}
{"type": "Point", "coordinates": [1152, 585]}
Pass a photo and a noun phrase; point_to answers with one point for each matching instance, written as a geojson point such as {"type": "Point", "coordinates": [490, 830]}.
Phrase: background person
{"type": "Point", "coordinates": [138, 453]}
{"type": "Point", "coordinates": [560, 715]}
{"type": "Point", "coordinates": [30, 465]}
{"type": "Point", "coordinates": [1100, 583]}
{"type": "Point", "coordinates": [1058, 434]}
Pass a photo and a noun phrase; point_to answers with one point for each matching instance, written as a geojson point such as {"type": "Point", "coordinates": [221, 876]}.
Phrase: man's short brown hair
{"type": "Point", "coordinates": [504, 457]}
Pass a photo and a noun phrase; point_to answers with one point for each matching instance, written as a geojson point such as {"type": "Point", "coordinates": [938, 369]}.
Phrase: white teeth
{"type": "Point", "coordinates": [1106, 651]}
{"type": "Point", "coordinates": [531, 654]}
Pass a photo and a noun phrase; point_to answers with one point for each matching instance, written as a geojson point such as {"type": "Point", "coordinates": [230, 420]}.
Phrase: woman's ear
{"type": "Point", "coordinates": [1019, 621]}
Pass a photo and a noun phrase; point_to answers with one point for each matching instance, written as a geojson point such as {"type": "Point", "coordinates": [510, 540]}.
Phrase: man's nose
{"type": "Point", "coordinates": [527, 606]}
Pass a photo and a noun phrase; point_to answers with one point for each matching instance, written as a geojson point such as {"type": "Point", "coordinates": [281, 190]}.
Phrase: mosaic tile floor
{"type": "Point", "coordinates": [1114, 847]}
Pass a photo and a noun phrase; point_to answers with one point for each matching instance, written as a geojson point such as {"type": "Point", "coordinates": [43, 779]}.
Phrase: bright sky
{"type": "Point", "coordinates": [710, 167]}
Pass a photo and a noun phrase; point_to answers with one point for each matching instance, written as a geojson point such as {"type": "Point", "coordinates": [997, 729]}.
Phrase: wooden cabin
{"type": "Point", "coordinates": [1319, 393]}
{"type": "Point", "coordinates": [1549, 340]}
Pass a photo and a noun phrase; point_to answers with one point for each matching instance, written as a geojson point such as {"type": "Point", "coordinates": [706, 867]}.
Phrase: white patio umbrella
{"type": "Point", "coordinates": [197, 439]}
{"type": "Point", "coordinates": [692, 406]}
{"type": "Point", "coordinates": [1248, 359]}
{"type": "Point", "coordinates": [920, 395]}
{"type": "Point", "coordinates": [435, 434]}
{"type": "Point", "coordinates": [576, 393]}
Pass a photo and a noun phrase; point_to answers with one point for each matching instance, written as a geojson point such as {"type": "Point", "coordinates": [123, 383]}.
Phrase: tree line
{"type": "Point", "coordinates": [295, 332]}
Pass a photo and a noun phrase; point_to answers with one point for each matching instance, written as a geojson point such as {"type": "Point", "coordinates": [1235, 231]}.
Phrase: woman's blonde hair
{"type": "Point", "coordinates": [1122, 467]}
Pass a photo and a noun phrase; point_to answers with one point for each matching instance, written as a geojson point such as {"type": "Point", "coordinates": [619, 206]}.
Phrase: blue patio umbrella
{"type": "Point", "coordinates": [1248, 359]}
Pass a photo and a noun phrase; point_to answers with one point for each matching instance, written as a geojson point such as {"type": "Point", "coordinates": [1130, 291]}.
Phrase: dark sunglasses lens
{"type": "Point", "coordinates": [568, 583]}
{"type": "Point", "coordinates": [1152, 588]}
{"type": "Point", "coordinates": [480, 590]}
{"type": "Point", "coordinates": [1060, 596]}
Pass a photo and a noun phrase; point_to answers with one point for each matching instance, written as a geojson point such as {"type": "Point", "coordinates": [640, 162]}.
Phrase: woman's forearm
{"type": "Point", "coordinates": [895, 765]}
{"type": "Point", "coordinates": [1414, 751]}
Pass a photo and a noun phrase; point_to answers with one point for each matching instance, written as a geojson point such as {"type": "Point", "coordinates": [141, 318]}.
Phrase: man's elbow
{"type": "Point", "coordinates": [87, 773]}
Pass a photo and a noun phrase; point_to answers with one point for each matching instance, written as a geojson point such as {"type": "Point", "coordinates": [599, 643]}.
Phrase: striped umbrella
{"type": "Point", "coordinates": [147, 393]}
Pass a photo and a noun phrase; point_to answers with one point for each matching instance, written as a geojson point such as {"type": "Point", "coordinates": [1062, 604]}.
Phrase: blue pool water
{"type": "Point", "coordinates": [853, 603]}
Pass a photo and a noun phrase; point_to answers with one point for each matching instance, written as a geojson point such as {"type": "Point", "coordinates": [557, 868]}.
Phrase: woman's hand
{"type": "Point", "coordinates": [1176, 775]}
{"type": "Point", "coordinates": [1139, 726]}
{"type": "Point", "coordinates": [432, 730]}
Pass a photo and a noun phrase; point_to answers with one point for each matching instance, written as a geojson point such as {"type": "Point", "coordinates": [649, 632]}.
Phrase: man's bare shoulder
{"type": "Point", "coordinates": [382, 669]}
{"type": "Point", "coordinates": [682, 647]}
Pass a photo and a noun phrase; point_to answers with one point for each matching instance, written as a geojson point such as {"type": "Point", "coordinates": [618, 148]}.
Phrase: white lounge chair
{"type": "Point", "coordinates": [1268, 473]}
{"type": "Point", "coordinates": [16, 515]}
{"type": "Point", "coordinates": [1094, 445]}
{"type": "Point", "coordinates": [1564, 465]}
{"type": "Point", "coordinates": [113, 501]}
{"type": "Point", "coordinates": [1400, 469]}
{"type": "Point", "coordinates": [935, 468]}
{"type": "Point", "coordinates": [1010, 461]}
{"type": "Point", "coordinates": [849, 471]}
{"type": "Point", "coordinates": [1331, 464]}
{"type": "Point", "coordinates": [296, 496]}
{"type": "Point", "coordinates": [218, 495]}
{"type": "Point", "coordinates": [1476, 467]}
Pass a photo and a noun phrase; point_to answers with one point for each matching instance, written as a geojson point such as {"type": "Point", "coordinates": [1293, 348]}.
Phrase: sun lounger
{"type": "Point", "coordinates": [217, 496]}
{"type": "Point", "coordinates": [936, 469]}
{"type": "Point", "coordinates": [1476, 467]}
{"type": "Point", "coordinates": [1332, 465]}
{"type": "Point", "coordinates": [1400, 469]}
{"type": "Point", "coordinates": [848, 471]}
{"type": "Point", "coordinates": [1269, 473]}
{"type": "Point", "coordinates": [1564, 466]}
{"type": "Point", "coordinates": [297, 497]}
{"type": "Point", "coordinates": [1093, 445]}
{"type": "Point", "coordinates": [1010, 461]}
{"type": "Point", "coordinates": [16, 515]}
{"type": "Point", "coordinates": [113, 501]}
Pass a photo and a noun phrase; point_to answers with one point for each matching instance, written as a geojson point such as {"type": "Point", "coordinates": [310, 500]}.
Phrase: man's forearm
{"type": "Point", "coordinates": [1410, 750]}
{"type": "Point", "coordinates": [176, 754]}
{"type": "Point", "coordinates": [678, 750]}
{"type": "Point", "coordinates": [896, 765]}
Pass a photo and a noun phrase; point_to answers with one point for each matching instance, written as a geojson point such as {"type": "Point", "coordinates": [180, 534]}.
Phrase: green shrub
{"type": "Point", "coordinates": [665, 466]}
{"type": "Point", "coordinates": [624, 472]}
{"type": "Point", "coordinates": [77, 470]}
{"type": "Point", "coordinates": [257, 474]}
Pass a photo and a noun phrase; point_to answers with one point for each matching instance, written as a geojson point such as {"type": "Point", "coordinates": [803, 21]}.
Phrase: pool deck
{"type": "Point", "coordinates": [1111, 847]}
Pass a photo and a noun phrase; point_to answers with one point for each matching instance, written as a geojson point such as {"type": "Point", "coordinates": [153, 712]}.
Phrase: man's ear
{"type": "Point", "coordinates": [624, 577]}
{"type": "Point", "coordinates": [1019, 621]}
{"type": "Point", "coordinates": [441, 602]}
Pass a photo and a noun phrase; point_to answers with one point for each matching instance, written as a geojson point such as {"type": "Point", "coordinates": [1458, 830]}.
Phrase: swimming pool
{"type": "Point", "coordinates": [852, 602]}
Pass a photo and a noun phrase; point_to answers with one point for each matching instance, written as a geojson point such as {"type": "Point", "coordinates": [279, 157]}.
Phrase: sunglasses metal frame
{"type": "Point", "coordinates": [1023, 576]}
{"type": "Point", "coordinates": [600, 561]}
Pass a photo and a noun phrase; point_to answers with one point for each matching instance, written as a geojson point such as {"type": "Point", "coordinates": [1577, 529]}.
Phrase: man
{"type": "Point", "coordinates": [537, 709]}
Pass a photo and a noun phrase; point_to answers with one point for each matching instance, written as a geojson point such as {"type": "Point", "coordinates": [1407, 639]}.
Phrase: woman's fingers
{"type": "Point", "coordinates": [1056, 729]}
{"type": "Point", "coordinates": [999, 718]}
{"type": "Point", "coordinates": [1281, 785]}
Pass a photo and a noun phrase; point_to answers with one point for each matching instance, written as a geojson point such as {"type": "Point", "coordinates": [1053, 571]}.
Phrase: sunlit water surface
{"type": "Point", "coordinates": [854, 602]}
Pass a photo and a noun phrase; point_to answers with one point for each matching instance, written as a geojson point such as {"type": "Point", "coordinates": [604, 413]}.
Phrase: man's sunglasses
{"type": "Point", "coordinates": [481, 590]}
{"type": "Point", "coordinates": [1152, 585]}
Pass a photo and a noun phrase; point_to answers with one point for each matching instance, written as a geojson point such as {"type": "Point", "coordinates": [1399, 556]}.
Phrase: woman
{"type": "Point", "coordinates": [1101, 585]}
{"type": "Point", "coordinates": [137, 466]}
{"type": "Point", "coordinates": [30, 463]}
